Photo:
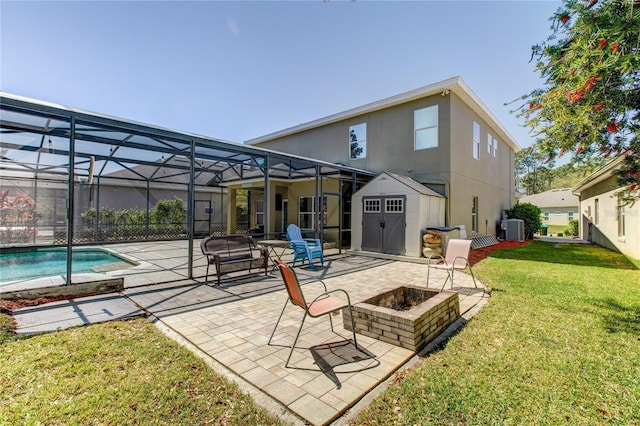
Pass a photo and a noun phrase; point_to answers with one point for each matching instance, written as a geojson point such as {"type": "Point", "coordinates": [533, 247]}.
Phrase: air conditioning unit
{"type": "Point", "coordinates": [514, 229]}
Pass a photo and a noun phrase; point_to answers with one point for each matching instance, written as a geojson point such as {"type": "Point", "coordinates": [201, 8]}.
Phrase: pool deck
{"type": "Point", "coordinates": [328, 380]}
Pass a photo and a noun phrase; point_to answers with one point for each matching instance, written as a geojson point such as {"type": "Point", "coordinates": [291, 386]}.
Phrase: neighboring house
{"type": "Point", "coordinates": [557, 206]}
{"type": "Point", "coordinates": [441, 136]}
{"type": "Point", "coordinates": [605, 218]}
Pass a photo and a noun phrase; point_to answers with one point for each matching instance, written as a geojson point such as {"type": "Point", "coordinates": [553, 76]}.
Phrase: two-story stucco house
{"type": "Point", "coordinates": [440, 135]}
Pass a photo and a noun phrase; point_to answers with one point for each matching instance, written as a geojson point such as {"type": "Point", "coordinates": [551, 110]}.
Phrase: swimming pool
{"type": "Point", "coordinates": [50, 262]}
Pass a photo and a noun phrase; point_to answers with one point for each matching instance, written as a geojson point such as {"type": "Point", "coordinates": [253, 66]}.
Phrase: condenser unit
{"type": "Point", "coordinates": [513, 229]}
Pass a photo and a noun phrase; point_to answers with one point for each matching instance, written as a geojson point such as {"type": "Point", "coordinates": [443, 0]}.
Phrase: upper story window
{"type": "Point", "coordinates": [476, 140]}
{"type": "Point", "coordinates": [425, 127]}
{"type": "Point", "coordinates": [358, 141]}
{"type": "Point", "coordinates": [492, 145]}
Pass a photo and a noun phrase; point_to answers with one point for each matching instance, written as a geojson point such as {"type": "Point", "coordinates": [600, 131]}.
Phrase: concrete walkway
{"type": "Point", "coordinates": [229, 326]}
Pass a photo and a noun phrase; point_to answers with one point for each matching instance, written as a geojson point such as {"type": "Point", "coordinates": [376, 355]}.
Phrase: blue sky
{"type": "Point", "coordinates": [239, 70]}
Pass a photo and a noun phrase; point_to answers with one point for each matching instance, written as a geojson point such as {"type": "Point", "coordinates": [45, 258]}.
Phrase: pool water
{"type": "Point", "coordinates": [46, 263]}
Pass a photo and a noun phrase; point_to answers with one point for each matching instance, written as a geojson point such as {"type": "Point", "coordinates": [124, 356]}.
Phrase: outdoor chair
{"type": "Point", "coordinates": [456, 257]}
{"type": "Point", "coordinates": [304, 248]}
{"type": "Point", "coordinates": [324, 303]}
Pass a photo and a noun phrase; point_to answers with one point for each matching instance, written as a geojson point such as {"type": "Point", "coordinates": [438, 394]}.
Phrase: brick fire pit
{"type": "Point", "coordinates": [409, 317]}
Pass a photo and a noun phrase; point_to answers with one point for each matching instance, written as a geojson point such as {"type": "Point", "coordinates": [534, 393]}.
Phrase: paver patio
{"type": "Point", "coordinates": [230, 326]}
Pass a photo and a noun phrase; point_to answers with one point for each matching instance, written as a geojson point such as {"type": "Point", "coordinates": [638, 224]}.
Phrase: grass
{"type": "Point", "coordinates": [555, 229]}
{"type": "Point", "coordinates": [557, 344]}
{"type": "Point", "coordinates": [121, 372]}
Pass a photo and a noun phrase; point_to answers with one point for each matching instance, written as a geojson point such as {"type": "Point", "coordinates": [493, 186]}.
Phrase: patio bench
{"type": "Point", "coordinates": [231, 253]}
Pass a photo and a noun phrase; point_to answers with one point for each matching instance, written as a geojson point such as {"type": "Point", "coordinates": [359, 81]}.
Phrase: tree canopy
{"type": "Point", "coordinates": [590, 103]}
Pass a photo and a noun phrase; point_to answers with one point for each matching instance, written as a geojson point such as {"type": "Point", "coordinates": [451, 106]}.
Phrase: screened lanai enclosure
{"type": "Point", "coordinates": [73, 181]}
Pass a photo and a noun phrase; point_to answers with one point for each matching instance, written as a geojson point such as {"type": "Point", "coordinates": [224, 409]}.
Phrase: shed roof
{"type": "Point", "coordinates": [408, 182]}
{"type": "Point", "coordinates": [553, 198]}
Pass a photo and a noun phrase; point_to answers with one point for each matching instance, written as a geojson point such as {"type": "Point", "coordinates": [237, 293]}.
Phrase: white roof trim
{"type": "Point", "coordinates": [598, 176]}
{"type": "Point", "coordinates": [455, 85]}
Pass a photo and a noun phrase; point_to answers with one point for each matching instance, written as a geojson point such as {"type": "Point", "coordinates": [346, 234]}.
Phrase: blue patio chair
{"type": "Point", "coordinates": [304, 248]}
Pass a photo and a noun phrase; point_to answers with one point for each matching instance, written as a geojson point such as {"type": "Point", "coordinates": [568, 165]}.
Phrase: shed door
{"type": "Point", "coordinates": [383, 225]}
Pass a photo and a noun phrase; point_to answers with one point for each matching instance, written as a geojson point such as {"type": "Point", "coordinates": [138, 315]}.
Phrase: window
{"type": "Point", "coordinates": [372, 206]}
{"type": "Point", "coordinates": [622, 226]}
{"type": "Point", "coordinates": [546, 216]}
{"type": "Point", "coordinates": [358, 141]}
{"type": "Point", "coordinates": [394, 205]}
{"type": "Point", "coordinates": [305, 213]}
{"type": "Point", "coordinates": [425, 127]}
{"type": "Point", "coordinates": [476, 140]}
{"type": "Point", "coordinates": [571, 215]}
{"type": "Point", "coordinates": [259, 213]}
{"type": "Point", "coordinates": [597, 211]}
{"type": "Point", "coordinates": [492, 144]}
{"type": "Point", "coordinates": [474, 214]}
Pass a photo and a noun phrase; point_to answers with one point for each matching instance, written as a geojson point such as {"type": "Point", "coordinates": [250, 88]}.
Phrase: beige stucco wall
{"type": "Point", "coordinates": [558, 215]}
{"type": "Point", "coordinates": [604, 231]}
{"type": "Point", "coordinates": [489, 178]}
{"type": "Point", "coordinates": [290, 191]}
{"type": "Point", "coordinates": [390, 147]}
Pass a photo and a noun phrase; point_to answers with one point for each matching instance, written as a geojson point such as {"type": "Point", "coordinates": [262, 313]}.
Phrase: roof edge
{"type": "Point", "coordinates": [455, 84]}
{"type": "Point", "coordinates": [598, 176]}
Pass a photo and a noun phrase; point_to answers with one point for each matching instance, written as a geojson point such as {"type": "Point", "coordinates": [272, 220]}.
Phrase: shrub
{"type": "Point", "coordinates": [18, 218]}
{"type": "Point", "coordinates": [530, 214]}
{"type": "Point", "coordinates": [573, 229]}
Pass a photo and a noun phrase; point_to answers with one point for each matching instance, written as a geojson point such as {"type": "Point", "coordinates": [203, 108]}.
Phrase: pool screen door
{"type": "Point", "coordinates": [383, 224]}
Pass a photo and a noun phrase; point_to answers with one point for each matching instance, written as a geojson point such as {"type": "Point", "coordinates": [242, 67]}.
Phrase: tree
{"type": "Point", "coordinates": [529, 162]}
{"type": "Point", "coordinates": [530, 214]}
{"type": "Point", "coordinates": [534, 176]}
{"type": "Point", "coordinates": [590, 104]}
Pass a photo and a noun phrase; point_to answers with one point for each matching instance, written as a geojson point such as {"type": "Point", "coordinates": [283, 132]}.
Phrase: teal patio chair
{"type": "Point", "coordinates": [304, 248]}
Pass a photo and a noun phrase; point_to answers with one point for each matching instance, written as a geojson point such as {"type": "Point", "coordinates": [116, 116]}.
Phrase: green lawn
{"type": "Point", "coordinates": [117, 373]}
{"type": "Point", "coordinates": [555, 229]}
{"type": "Point", "coordinates": [558, 343]}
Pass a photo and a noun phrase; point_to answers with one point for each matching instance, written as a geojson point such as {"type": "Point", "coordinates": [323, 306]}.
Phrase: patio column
{"type": "Point", "coordinates": [231, 211]}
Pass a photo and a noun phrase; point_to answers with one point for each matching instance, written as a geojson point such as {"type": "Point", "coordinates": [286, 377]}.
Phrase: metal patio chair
{"type": "Point", "coordinates": [304, 248]}
{"type": "Point", "coordinates": [456, 257]}
{"type": "Point", "coordinates": [322, 304]}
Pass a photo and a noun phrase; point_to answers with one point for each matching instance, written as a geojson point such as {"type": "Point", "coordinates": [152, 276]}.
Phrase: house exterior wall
{"type": "Point", "coordinates": [448, 168]}
{"type": "Point", "coordinates": [489, 178]}
{"type": "Point", "coordinates": [558, 215]}
{"type": "Point", "coordinates": [291, 192]}
{"type": "Point", "coordinates": [601, 225]}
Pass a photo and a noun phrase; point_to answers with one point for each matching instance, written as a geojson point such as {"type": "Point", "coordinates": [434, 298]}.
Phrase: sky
{"type": "Point", "coordinates": [239, 70]}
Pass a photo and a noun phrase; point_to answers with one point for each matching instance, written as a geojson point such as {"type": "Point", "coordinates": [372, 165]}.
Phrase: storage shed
{"type": "Point", "coordinates": [390, 211]}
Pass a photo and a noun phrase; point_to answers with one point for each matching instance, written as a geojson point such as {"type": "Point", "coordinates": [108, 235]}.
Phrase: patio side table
{"type": "Point", "coordinates": [277, 248]}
